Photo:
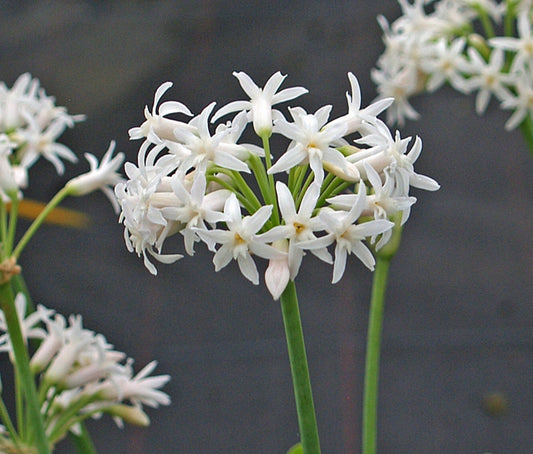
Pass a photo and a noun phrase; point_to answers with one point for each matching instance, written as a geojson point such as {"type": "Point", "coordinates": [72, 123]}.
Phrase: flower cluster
{"type": "Point", "coordinates": [436, 42]}
{"type": "Point", "coordinates": [30, 124]}
{"type": "Point", "coordinates": [81, 375]}
{"type": "Point", "coordinates": [338, 183]}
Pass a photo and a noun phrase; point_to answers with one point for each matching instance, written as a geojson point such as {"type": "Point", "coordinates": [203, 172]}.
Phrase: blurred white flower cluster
{"type": "Point", "coordinates": [64, 373]}
{"type": "Point", "coordinates": [80, 375]}
{"type": "Point", "coordinates": [338, 182]}
{"type": "Point", "coordinates": [30, 125]}
{"type": "Point", "coordinates": [476, 46]}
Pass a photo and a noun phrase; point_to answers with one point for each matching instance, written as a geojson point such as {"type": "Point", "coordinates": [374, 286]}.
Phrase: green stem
{"type": "Point", "coordinates": [3, 228]}
{"type": "Point", "coordinates": [527, 131]}
{"type": "Point", "coordinates": [272, 188]}
{"type": "Point", "coordinates": [83, 442]}
{"type": "Point", "coordinates": [56, 200]}
{"type": "Point", "coordinates": [299, 370]}
{"type": "Point", "coordinates": [6, 419]}
{"type": "Point", "coordinates": [13, 215]}
{"type": "Point", "coordinates": [485, 22]}
{"type": "Point", "coordinates": [373, 343]}
{"type": "Point", "coordinates": [370, 398]}
{"type": "Point", "coordinates": [247, 192]}
{"type": "Point", "coordinates": [22, 362]}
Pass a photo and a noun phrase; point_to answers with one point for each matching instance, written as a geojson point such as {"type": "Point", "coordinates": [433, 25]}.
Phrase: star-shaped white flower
{"type": "Point", "coordinates": [348, 236]}
{"type": "Point", "coordinates": [487, 77]}
{"type": "Point", "coordinates": [157, 128]}
{"type": "Point", "coordinates": [102, 176]}
{"type": "Point", "coordinates": [196, 207]}
{"type": "Point", "coordinates": [298, 226]}
{"type": "Point", "coordinates": [392, 153]}
{"type": "Point", "coordinates": [200, 148]}
{"type": "Point", "coordinates": [144, 198]}
{"type": "Point", "coordinates": [29, 323]}
{"type": "Point", "coordinates": [261, 100]}
{"type": "Point", "coordinates": [240, 240]}
{"type": "Point", "coordinates": [311, 142]}
{"type": "Point", "coordinates": [522, 46]}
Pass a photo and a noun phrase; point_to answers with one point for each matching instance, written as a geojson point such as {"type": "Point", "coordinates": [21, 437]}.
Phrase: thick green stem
{"type": "Point", "coordinates": [22, 361]}
{"type": "Point", "coordinates": [373, 346]}
{"type": "Point", "coordinates": [300, 371]}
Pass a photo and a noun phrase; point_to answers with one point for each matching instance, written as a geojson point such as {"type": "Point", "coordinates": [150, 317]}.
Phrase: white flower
{"type": "Point", "coordinates": [355, 118]}
{"type": "Point", "coordinates": [75, 340]}
{"type": "Point", "coordinates": [521, 103]}
{"type": "Point", "coordinates": [139, 389]}
{"type": "Point", "coordinates": [8, 183]}
{"type": "Point", "coordinates": [348, 236]}
{"type": "Point", "coordinates": [298, 226]}
{"type": "Point", "coordinates": [195, 207]}
{"type": "Point", "coordinates": [261, 100]}
{"type": "Point", "coordinates": [392, 153]}
{"type": "Point", "coordinates": [157, 128]}
{"type": "Point", "coordinates": [446, 64]}
{"type": "Point", "coordinates": [50, 345]}
{"type": "Point", "coordinates": [381, 203]}
{"type": "Point", "coordinates": [29, 323]}
{"type": "Point", "coordinates": [241, 239]}
{"type": "Point", "coordinates": [521, 46]}
{"type": "Point", "coordinates": [200, 148]}
{"type": "Point", "coordinates": [37, 142]}
{"type": "Point", "coordinates": [311, 143]}
{"type": "Point", "coordinates": [487, 77]}
{"type": "Point", "coordinates": [277, 274]}
{"type": "Point", "coordinates": [145, 199]}
{"type": "Point", "coordinates": [101, 176]}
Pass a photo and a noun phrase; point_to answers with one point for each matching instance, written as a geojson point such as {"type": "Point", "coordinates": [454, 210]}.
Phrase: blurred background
{"type": "Point", "coordinates": [457, 361]}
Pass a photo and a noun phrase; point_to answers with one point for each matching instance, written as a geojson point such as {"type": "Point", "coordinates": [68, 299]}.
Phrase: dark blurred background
{"type": "Point", "coordinates": [457, 364]}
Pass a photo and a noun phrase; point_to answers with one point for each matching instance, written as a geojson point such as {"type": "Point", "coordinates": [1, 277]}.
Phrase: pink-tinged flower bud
{"type": "Point", "coordinates": [277, 274]}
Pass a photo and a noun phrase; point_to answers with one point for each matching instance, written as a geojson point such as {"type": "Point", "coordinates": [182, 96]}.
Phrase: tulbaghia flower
{"type": "Point", "coordinates": [157, 127]}
{"type": "Point", "coordinates": [144, 199]}
{"type": "Point", "coordinates": [521, 46]}
{"type": "Point", "coordinates": [298, 226]}
{"type": "Point", "coordinates": [487, 77]}
{"type": "Point", "coordinates": [241, 239]}
{"type": "Point", "coordinates": [521, 103]}
{"type": "Point", "coordinates": [347, 235]}
{"type": "Point", "coordinates": [101, 176]}
{"type": "Point", "coordinates": [29, 323]}
{"type": "Point", "coordinates": [139, 389]}
{"type": "Point", "coordinates": [311, 143]}
{"type": "Point", "coordinates": [261, 100]}
{"type": "Point", "coordinates": [30, 126]}
{"type": "Point", "coordinates": [200, 148]}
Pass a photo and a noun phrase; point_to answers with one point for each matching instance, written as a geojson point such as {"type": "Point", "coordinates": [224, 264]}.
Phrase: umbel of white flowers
{"type": "Point", "coordinates": [336, 185]}
{"type": "Point", "coordinates": [81, 374]}
{"type": "Point", "coordinates": [427, 49]}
